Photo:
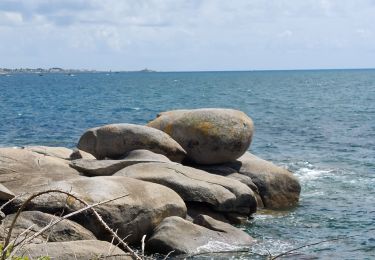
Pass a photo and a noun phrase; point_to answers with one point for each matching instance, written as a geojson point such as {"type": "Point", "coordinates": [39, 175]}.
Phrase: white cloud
{"type": "Point", "coordinates": [10, 18]}
{"type": "Point", "coordinates": [184, 34]}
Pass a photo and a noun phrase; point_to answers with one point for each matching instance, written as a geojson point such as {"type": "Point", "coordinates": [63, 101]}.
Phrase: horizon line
{"type": "Point", "coordinates": [168, 71]}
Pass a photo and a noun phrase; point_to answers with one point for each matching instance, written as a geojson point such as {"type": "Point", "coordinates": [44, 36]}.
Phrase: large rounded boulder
{"type": "Point", "coordinates": [278, 187]}
{"type": "Point", "coordinates": [116, 140]}
{"type": "Point", "coordinates": [140, 206]}
{"type": "Point", "coordinates": [210, 135]}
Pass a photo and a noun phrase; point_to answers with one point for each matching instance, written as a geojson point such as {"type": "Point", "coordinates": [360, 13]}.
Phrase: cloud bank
{"type": "Point", "coordinates": [187, 34]}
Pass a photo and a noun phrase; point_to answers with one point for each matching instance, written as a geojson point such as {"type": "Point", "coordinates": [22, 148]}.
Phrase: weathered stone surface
{"type": "Point", "coordinates": [58, 152]}
{"type": "Point", "coordinates": [142, 154]}
{"type": "Point", "coordinates": [65, 230]}
{"type": "Point", "coordinates": [231, 173]}
{"type": "Point", "coordinates": [183, 237]}
{"type": "Point", "coordinates": [21, 169]}
{"type": "Point", "coordinates": [5, 194]}
{"type": "Point", "coordinates": [109, 167]}
{"type": "Point", "coordinates": [79, 154]}
{"type": "Point", "coordinates": [210, 135]}
{"type": "Point", "coordinates": [144, 207]}
{"type": "Point", "coordinates": [82, 250]}
{"type": "Point", "coordinates": [115, 140]}
{"type": "Point", "coordinates": [193, 185]}
{"type": "Point", "coordinates": [277, 187]}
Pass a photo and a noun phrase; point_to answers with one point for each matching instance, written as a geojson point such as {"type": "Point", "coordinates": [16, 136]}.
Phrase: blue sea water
{"type": "Point", "coordinates": [318, 124]}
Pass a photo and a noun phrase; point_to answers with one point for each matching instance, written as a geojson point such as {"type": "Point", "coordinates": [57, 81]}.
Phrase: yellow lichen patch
{"type": "Point", "coordinates": [205, 127]}
{"type": "Point", "coordinates": [70, 201]}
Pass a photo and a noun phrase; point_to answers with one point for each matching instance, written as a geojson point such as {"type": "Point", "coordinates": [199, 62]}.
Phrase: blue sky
{"type": "Point", "coordinates": [180, 35]}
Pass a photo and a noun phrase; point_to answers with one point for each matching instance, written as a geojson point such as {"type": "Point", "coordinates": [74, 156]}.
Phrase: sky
{"type": "Point", "coordinates": [187, 35]}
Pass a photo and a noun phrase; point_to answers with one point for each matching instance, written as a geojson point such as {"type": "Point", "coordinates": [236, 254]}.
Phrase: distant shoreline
{"type": "Point", "coordinates": [62, 71]}
{"type": "Point", "coordinates": [4, 71]}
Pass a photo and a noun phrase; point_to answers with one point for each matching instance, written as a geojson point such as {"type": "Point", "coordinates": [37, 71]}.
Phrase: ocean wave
{"type": "Point", "coordinates": [308, 174]}
{"type": "Point", "coordinates": [271, 246]}
{"type": "Point", "coordinates": [217, 246]}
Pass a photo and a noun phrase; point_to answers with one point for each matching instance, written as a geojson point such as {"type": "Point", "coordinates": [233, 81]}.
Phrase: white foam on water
{"type": "Point", "coordinates": [271, 246]}
{"type": "Point", "coordinates": [217, 246]}
{"type": "Point", "coordinates": [308, 174]}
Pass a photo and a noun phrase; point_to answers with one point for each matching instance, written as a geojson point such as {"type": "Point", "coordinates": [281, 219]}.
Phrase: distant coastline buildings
{"type": "Point", "coordinates": [41, 70]}
{"type": "Point", "coordinates": [59, 70]}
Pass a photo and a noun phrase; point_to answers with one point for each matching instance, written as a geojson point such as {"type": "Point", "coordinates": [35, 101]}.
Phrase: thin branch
{"type": "Point", "coordinates": [99, 218]}
{"type": "Point", "coordinates": [10, 201]}
{"type": "Point", "coordinates": [143, 245]}
{"type": "Point", "coordinates": [167, 255]}
{"type": "Point", "coordinates": [53, 223]}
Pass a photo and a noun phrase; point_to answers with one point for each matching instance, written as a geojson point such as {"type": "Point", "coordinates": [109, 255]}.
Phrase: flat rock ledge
{"type": "Point", "coordinates": [193, 185]}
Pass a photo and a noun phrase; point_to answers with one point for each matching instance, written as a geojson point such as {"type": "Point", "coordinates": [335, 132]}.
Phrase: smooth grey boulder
{"type": "Point", "coordinates": [138, 213]}
{"type": "Point", "coordinates": [208, 135]}
{"type": "Point", "coordinates": [34, 221]}
{"type": "Point", "coordinates": [82, 250]}
{"type": "Point", "coordinates": [193, 185]}
{"type": "Point", "coordinates": [58, 152]}
{"type": "Point", "coordinates": [116, 140]}
{"type": "Point", "coordinates": [22, 170]}
{"type": "Point", "coordinates": [5, 193]}
{"type": "Point", "coordinates": [109, 167]}
{"type": "Point", "coordinates": [183, 237]}
{"type": "Point", "coordinates": [278, 187]}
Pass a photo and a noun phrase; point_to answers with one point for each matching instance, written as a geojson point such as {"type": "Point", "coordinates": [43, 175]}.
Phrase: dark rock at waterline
{"type": "Point", "coordinates": [82, 250]}
{"type": "Point", "coordinates": [195, 209]}
{"type": "Point", "coordinates": [193, 185]}
{"type": "Point", "coordinates": [278, 188]}
{"type": "Point", "coordinates": [116, 140]}
{"type": "Point", "coordinates": [133, 216]}
{"type": "Point", "coordinates": [34, 221]}
{"type": "Point", "coordinates": [210, 135]}
{"type": "Point", "coordinates": [183, 237]}
{"type": "Point", "coordinates": [22, 170]}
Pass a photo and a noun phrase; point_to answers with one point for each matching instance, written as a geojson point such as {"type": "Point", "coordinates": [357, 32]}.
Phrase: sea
{"type": "Point", "coordinates": [319, 124]}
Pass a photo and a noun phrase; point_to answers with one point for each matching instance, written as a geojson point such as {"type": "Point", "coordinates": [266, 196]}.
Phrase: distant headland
{"type": "Point", "coordinates": [61, 70]}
